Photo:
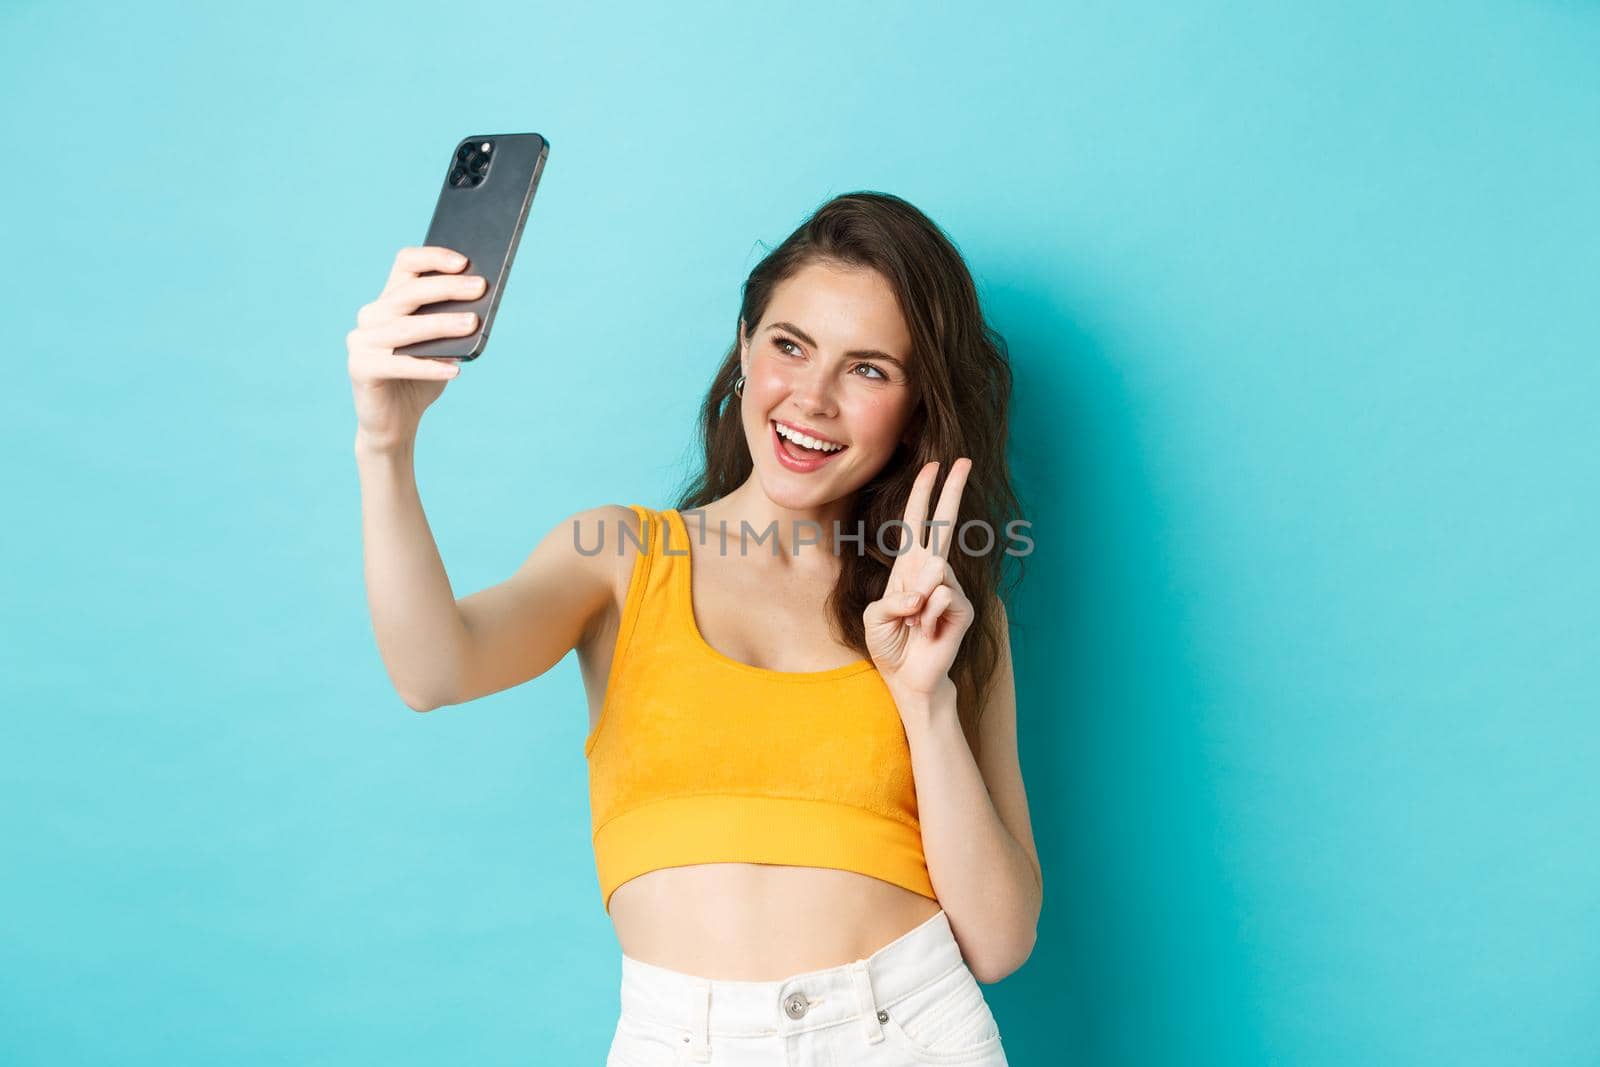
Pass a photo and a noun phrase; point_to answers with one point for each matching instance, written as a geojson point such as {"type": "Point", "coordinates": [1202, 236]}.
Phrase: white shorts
{"type": "Point", "coordinates": [914, 1001]}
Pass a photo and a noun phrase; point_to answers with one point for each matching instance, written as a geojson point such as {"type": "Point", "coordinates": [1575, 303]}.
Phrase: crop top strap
{"type": "Point", "coordinates": [648, 567]}
{"type": "Point", "coordinates": [647, 545]}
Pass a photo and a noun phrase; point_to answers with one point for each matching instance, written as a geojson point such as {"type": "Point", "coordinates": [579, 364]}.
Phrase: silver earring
{"type": "Point", "coordinates": [738, 387]}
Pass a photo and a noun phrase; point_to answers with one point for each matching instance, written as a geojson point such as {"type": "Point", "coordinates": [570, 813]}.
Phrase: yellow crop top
{"type": "Point", "coordinates": [699, 758]}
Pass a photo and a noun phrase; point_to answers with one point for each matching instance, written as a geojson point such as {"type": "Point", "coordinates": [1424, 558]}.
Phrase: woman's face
{"type": "Point", "coordinates": [830, 358]}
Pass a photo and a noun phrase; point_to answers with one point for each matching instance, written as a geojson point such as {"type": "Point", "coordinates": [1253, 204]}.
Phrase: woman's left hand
{"type": "Point", "coordinates": [913, 631]}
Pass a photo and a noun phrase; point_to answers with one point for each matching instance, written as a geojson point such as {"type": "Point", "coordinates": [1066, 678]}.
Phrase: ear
{"type": "Point", "coordinates": [744, 350]}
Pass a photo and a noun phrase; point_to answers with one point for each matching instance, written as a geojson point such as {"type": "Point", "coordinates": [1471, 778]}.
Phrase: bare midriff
{"type": "Point", "coordinates": [755, 922]}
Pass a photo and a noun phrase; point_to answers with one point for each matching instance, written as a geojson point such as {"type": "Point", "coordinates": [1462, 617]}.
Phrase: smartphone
{"type": "Point", "coordinates": [482, 209]}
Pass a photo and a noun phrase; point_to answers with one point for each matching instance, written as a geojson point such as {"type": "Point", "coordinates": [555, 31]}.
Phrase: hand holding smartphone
{"type": "Point", "coordinates": [481, 211]}
{"type": "Point", "coordinates": [439, 300]}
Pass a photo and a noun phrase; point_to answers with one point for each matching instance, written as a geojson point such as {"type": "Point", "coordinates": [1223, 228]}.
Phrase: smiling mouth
{"type": "Point", "coordinates": [797, 456]}
{"type": "Point", "coordinates": [800, 439]}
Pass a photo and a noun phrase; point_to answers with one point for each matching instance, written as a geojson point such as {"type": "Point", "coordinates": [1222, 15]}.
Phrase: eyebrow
{"type": "Point", "coordinates": [860, 353]}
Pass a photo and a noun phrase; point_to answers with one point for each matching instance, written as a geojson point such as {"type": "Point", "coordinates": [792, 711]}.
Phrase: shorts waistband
{"type": "Point", "coordinates": [858, 990]}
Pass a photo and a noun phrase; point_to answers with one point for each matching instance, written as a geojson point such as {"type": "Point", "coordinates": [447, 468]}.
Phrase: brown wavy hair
{"type": "Point", "coordinates": [961, 372]}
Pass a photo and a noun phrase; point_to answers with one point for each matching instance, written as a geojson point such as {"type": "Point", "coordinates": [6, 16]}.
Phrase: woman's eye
{"type": "Point", "coordinates": [783, 344]}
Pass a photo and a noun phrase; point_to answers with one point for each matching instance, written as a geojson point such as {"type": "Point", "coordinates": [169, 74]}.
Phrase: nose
{"type": "Point", "coordinates": [813, 391]}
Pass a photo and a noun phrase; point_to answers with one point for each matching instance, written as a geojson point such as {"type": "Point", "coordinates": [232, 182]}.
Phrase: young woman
{"type": "Point", "coordinates": [810, 826]}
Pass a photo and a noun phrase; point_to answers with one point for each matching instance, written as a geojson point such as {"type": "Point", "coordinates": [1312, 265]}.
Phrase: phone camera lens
{"type": "Point", "coordinates": [478, 165]}
{"type": "Point", "coordinates": [458, 177]}
{"type": "Point", "coordinates": [477, 180]}
{"type": "Point", "coordinates": [464, 151]}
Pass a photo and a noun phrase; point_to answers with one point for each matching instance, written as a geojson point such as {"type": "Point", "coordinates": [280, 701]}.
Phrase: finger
{"type": "Point", "coordinates": [409, 329]}
{"type": "Point", "coordinates": [369, 366]}
{"type": "Point", "coordinates": [410, 262]}
{"type": "Point", "coordinates": [917, 505]}
{"type": "Point", "coordinates": [425, 368]}
{"type": "Point", "coordinates": [925, 581]}
{"type": "Point", "coordinates": [951, 580]}
{"type": "Point", "coordinates": [938, 604]}
{"type": "Point", "coordinates": [410, 295]}
{"type": "Point", "coordinates": [959, 607]}
{"type": "Point", "coordinates": [892, 607]}
{"type": "Point", "coordinates": [945, 515]}
{"type": "Point", "coordinates": [928, 577]}
{"type": "Point", "coordinates": [419, 292]}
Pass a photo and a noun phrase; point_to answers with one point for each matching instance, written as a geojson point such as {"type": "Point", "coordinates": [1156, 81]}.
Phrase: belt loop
{"type": "Point", "coordinates": [868, 1007]}
{"type": "Point", "coordinates": [700, 1022]}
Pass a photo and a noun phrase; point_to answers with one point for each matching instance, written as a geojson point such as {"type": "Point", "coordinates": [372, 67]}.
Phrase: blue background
{"type": "Point", "coordinates": [1302, 302]}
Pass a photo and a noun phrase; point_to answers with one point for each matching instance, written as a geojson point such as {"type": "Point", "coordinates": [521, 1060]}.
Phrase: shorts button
{"type": "Point", "coordinates": [796, 1005]}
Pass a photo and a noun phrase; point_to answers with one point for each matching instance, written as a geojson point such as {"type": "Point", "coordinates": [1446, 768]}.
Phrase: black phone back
{"type": "Point", "coordinates": [482, 209]}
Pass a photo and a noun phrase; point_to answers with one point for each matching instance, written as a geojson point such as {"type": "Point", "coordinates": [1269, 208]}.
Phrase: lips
{"type": "Point", "coordinates": [809, 432]}
{"type": "Point", "coordinates": [793, 458]}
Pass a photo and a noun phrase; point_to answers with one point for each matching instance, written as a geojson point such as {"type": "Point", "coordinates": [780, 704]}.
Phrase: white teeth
{"type": "Point", "coordinates": [800, 438]}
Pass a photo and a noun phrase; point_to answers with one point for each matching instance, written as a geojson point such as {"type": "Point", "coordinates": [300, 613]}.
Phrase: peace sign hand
{"type": "Point", "coordinates": [913, 631]}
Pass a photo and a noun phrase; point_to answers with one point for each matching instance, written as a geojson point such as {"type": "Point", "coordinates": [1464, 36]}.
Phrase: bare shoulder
{"type": "Point", "coordinates": [587, 527]}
